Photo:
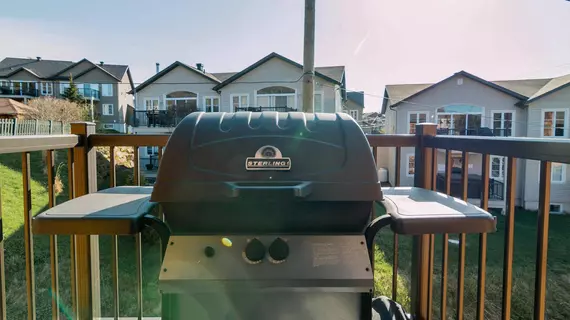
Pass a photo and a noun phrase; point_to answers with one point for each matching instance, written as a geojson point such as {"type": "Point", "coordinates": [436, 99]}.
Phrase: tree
{"type": "Point", "coordinates": [49, 108]}
{"type": "Point", "coordinates": [72, 94]}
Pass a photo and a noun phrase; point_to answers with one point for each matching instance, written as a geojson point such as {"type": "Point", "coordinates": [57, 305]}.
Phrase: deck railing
{"type": "Point", "coordinates": [425, 274]}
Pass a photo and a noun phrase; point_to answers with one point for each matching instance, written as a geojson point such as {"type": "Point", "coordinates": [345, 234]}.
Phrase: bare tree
{"type": "Point", "coordinates": [49, 108]}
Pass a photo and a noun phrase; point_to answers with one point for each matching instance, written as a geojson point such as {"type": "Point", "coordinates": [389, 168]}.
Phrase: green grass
{"type": "Point", "coordinates": [558, 299]}
{"type": "Point", "coordinates": [558, 293]}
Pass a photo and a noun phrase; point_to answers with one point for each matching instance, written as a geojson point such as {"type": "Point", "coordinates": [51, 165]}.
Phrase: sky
{"type": "Point", "coordinates": [378, 41]}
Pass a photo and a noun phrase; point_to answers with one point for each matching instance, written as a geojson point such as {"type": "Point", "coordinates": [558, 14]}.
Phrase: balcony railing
{"type": "Point", "coordinates": [443, 277]}
{"type": "Point", "coordinates": [159, 118]}
{"type": "Point", "coordinates": [23, 92]}
{"type": "Point", "coordinates": [261, 109]}
{"type": "Point", "coordinates": [88, 93]}
{"type": "Point", "coordinates": [482, 131]}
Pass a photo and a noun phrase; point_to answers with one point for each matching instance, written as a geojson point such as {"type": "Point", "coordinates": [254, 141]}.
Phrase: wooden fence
{"type": "Point", "coordinates": [15, 127]}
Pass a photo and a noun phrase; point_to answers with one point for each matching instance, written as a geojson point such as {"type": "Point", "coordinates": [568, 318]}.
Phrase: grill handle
{"type": "Point", "coordinates": [294, 189]}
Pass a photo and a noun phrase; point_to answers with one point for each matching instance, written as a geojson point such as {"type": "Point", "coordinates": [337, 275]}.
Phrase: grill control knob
{"type": "Point", "coordinates": [254, 251]}
{"type": "Point", "coordinates": [278, 250]}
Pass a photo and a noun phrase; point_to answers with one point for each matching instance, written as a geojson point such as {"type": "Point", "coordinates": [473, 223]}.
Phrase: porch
{"type": "Point", "coordinates": [98, 283]}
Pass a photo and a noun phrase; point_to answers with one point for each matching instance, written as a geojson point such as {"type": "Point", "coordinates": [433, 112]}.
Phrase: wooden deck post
{"type": "Point", "coordinates": [86, 249]}
{"type": "Point", "coordinates": [423, 176]}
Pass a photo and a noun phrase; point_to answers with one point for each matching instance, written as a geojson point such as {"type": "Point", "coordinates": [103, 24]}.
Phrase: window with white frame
{"type": "Point", "coordinates": [554, 123]}
{"type": "Point", "coordinates": [318, 102]}
{"type": "Point", "coordinates": [239, 101]}
{"type": "Point", "coordinates": [107, 90]}
{"type": "Point", "coordinates": [63, 86]}
{"type": "Point", "coordinates": [354, 114]}
{"type": "Point", "coordinates": [415, 118]}
{"type": "Point", "coordinates": [276, 98]}
{"type": "Point", "coordinates": [46, 88]}
{"type": "Point", "coordinates": [212, 104]}
{"type": "Point", "coordinates": [459, 119]}
{"type": "Point", "coordinates": [497, 171]}
{"type": "Point", "coordinates": [503, 124]}
{"type": "Point", "coordinates": [558, 172]}
{"type": "Point", "coordinates": [151, 103]}
{"type": "Point", "coordinates": [411, 165]}
{"type": "Point", "coordinates": [556, 208]}
{"type": "Point", "coordinates": [108, 109]}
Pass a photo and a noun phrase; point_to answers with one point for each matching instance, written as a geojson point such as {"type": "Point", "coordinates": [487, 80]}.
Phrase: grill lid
{"type": "Point", "coordinates": [228, 156]}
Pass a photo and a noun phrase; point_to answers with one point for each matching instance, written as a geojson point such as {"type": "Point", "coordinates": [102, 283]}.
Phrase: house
{"type": "Point", "coordinates": [464, 104]}
{"type": "Point", "coordinates": [372, 122]}
{"type": "Point", "coordinates": [12, 109]}
{"type": "Point", "coordinates": [272, 83]}
{"type": "Point", "coordinates": [103, 85]}
{"type": "Point", "coordinates": [355, 104]}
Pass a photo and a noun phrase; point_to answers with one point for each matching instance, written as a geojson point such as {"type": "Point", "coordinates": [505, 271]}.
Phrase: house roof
{"type": "Point", "coordinates": [552, 86]}
{"type": "Point", "coordinates": [337, 72]}
{"type": "Point", "coordinates": [43, 69]}
{"type": "Point", "coordinates": [12, 107]}
{"type": "Point", "coordinates": [171, 67]}
{"type": "Point", "coordinates": [51, 69]}
{"type": "Point", "coordinates": [356, 97]}
{"type": "Point", "coordinates": [222, 76]}
{"type": "Point", "coordinates": [526, 90]}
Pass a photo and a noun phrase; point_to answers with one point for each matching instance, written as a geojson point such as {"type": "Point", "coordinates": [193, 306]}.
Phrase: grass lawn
{"type": "Point", "coordinates": [558, 287]}
{"type": "Point", "coordinates": [558, 300]}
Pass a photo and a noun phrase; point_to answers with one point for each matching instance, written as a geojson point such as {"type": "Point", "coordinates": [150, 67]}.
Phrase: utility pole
{"type": "Point", "coordinates": [309, 58]}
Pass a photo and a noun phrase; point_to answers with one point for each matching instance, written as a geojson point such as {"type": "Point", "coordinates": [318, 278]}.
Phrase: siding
{"type": "Point", "coordinates": [448, 93]}
{"type": "Point", "coordinates": [560, 192]}
{"type": "Point", "coordinates": [288, 76]}
{"type": "Point", "coordinates": [178, 79]}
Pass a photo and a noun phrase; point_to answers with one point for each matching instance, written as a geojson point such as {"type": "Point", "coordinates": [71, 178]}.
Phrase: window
{"type": "Point", "coordinates": [411, 165]}
{"type": "Point", "coordinates": [503, 124]}
{"type": "Point", "coordinates": [181, 103]}
{"type": "Point", "coordinates": [276, 98]}
{"type": "Point", "coordinates": [558, 172]}
{"type": "Point", "coordinates": [354, 114]}
{"type": "Point", "coordinates": [151, 104]}
{"type": "Point", "coordinates": [63, 86]}
{"type": "Point", "coordinates": [555, 208]}
{"type": "Point", "coordinates": [497, 171]}
{"type": "Point", "coordinates": [415, 118]}
{"type": "Point", "coordinates": [459, 119]}
{"type": "Point", "coordinates": [318, 102]}
{"type": "Point", "coordinates": [46, 88]}
{"type": "Point", "coordinates": [212, 104]}
{"type": "Point", "coordinates": [107, 90]}
{"type": "Point", "coordinates": [152, 150]}
{"type": "Point", "coordinates": [109, 126]}
{"type": "Point", "coordinates": [239, 101]}
{"type": "Point", "coordinates": [108, 109]}
{"type": "Point", "coordinates": [554, 122]}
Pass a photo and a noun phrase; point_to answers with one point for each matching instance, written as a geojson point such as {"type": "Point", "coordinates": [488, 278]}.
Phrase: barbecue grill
{"type": "Point", "coordinates": [268, 216]}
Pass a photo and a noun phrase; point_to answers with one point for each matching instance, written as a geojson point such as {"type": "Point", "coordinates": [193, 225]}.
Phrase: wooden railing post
{"type": "Point", "coordinates": [423, 166]}
{"type": "Point", "coordinates": [86, 248]}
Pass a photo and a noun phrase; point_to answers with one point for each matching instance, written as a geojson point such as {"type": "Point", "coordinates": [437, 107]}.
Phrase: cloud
{"type": "Point", "coordinates": [359, 46]}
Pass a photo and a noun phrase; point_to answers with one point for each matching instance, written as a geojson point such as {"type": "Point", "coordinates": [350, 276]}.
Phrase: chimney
{"type": "Point", "coordinates": [39, 58]}
{"type": "Point", "coordinates": [200, 67]}
{"type": "Point", "coordinates": [157, 67]}
{"type": "Point", "coordinates": [101, 62]}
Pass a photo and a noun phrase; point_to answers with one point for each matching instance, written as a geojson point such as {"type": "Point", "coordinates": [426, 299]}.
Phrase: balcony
{"type": "Point", "coordinates": [434, 276]}
{"type": "Point", "coordinates": [88, 93]}
{"type": "Point", "coordinates": [261, 109]}
{"type": "Point", "coordinates": [481, 131]}
{"type": "Point", "coordinates": [159, 118]}
{"type": "Point", "coordinates": [19, 91]}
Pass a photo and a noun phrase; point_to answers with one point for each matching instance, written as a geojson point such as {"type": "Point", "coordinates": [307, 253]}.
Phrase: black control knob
{"type": "Point", "coordinates": [279, 250]}
{"type": "Point", "coordinates": [254, 251]}
{"type": "Point", "coordinates": [209, 251]}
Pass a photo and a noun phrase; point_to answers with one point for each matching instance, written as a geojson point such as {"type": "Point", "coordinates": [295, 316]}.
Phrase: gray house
{"type": "Point", "coordinates": [103, 85]}
{"type": "Point", "coordinates": [354, 105]}
{"type": "Point", "coordinates": [464, 104]}
{"type": "Point", "coordinates": [272, 83]}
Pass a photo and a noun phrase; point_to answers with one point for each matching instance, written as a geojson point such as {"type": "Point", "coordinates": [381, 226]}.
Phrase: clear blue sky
{"type": "Point", "coordinates": [379, 41]}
